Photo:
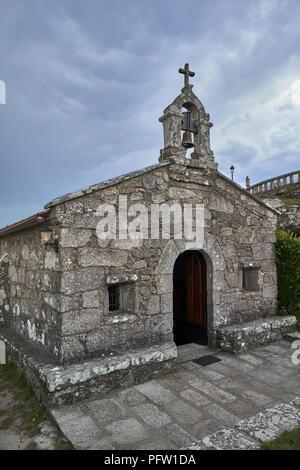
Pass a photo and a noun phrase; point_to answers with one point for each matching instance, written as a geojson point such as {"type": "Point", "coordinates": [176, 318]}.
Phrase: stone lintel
{"type": "Point", "coordinates": [250, 264]}
{"type": "Point", "coordinates": [121, 279]}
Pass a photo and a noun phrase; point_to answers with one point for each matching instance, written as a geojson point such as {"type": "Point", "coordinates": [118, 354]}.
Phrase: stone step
{"type": "Point", "coordinates": [243, 336]}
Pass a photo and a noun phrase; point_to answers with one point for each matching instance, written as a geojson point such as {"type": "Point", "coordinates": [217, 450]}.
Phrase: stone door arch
{"type": "Point", "coordinates": [215, 266]}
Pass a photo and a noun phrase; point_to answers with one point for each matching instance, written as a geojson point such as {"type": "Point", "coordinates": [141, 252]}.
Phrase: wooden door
{"type": "Point", "coordinates": [190, 317]}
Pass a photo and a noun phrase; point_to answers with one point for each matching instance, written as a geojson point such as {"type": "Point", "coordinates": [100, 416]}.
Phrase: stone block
{"type": "Point", "coordinates": [149, 181]}
{"type": "Point", "coordinates": [194, 397]}
{"type": "Point", "coordinates": [166, 303]}
{"type": "Point", "coordinates": [80, 429]}
{"type": "Point", "coordinates": [159, 325]}
{"type": "Point", "coordinates": [86, 221]}
{"type": "Point", "coordinates": [165, 284]}
{"type": "Point", "coordinates": [183, 413]}
{"type": "Point", "coordinates": [81, 280]}
{"type": "Point", "coordinates": [153, 305]}
{"type": "Point", "coordinates": [132, 397]}
{"type": "Point", "coordinates": [156, 393]}
{"type": "Point", "coordinates": [68, 258]}
{"type": "Point", "coordinates": [106, 410]}
{"type": "Point", "coordinates": [221, 415]}
{"type": "Point", "coordinates": [232, 280]}
{"type": "Point", "coordinates": [51, 260]}
{"type": "Point", "coordinates": [127, 431]}
{"type": "Point", "coordinates": [152, 415]}
{"type": "Point", "coordinates": [212, 390]}
{"type": "Point", "coordinates": [90, 256]}
{"type": "Point", "coordinates": [90, 299]}
{"type": "Point", "coordinates": [168, 258]}
{"type": "Point", "coordinates": [179, 436]}
{"type": "Point", "coordinates": [72, 237]}
{"type": "Point", "coordinates": [263, 251]}
{"type": "Point", "coordinates": [81, 321]}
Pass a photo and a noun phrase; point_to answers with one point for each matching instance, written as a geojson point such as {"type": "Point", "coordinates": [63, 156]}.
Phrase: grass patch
{"type": "Point", "coordinates": [6, 423]}
{"type": "Point", "coordinates": [60, 444]}
{"type": "Point", "coordinates": [27, 411]}
{"type": "Point", "coordinates": [291, 201]}
{"type": "Point", "coordinates": [288, 440]}
{"type": "Point", "coordinates": [25, 415]}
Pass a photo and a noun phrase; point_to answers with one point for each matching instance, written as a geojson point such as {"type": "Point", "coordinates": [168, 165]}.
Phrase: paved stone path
{"type": "Point", "coordinates": [216, 406]}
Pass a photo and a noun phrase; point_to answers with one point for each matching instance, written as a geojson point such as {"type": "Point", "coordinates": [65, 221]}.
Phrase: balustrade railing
{"type": "Point", "coordinates": [273, 184]}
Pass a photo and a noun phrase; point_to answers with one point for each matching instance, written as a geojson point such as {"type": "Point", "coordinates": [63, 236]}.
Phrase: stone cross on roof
{"type": "Point", "coordinates": [187, 74]}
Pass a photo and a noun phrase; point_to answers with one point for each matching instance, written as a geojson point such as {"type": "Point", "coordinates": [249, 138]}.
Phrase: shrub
{"type": "Point", "coordinates": [288, 273]}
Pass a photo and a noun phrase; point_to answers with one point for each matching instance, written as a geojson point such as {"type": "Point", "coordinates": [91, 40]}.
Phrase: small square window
{"type": "Point", "coordinates": [250, 279]}
{"type": "Point", "coordinates": [114, 298]}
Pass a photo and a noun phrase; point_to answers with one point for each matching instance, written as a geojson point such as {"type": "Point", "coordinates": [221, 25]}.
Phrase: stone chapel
{"type": "Point", "coordinates": [82, 314]}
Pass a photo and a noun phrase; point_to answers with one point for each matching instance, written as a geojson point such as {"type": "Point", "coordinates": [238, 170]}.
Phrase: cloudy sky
{"type": "Point", "coordinates": [86, 82]}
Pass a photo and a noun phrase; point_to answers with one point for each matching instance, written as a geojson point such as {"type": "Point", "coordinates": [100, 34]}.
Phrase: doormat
{"type": "Point", "coordinates": [206, 360]}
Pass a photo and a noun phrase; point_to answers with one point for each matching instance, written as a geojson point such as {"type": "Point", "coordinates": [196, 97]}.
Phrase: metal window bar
{"type": "Point", "coordinates": [114, 298]}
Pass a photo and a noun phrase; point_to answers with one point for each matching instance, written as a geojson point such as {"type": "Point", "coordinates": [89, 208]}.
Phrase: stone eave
{"type": "Point", "coordinates": [247, 193]}
{"type": "Point", "coordinates": [104, 184]}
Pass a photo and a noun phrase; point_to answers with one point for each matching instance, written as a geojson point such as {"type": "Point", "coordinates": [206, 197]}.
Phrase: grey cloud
{"type": "Point", "coordinates": [87, 82]}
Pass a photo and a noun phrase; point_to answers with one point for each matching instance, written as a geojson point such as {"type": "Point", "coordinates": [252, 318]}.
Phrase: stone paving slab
{"type": "Point", "coordinates": [152, 415]}
{"type": "Point", "coordinates": [156, 392]}
{"type": "Point", "coordinates": [212, 391]}
{"type": "Point", "coordinates": [78, 427]}
{"type": "Point", "coordinates": [222, 405]}
{"type": "Point", "coordinates": [191, 351]}
{"type": "Point", "coordinates": [126, 431]}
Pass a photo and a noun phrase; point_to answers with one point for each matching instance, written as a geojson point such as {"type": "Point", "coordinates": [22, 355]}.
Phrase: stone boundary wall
{"type": "Point", "coordinates": [241, 338]}
{"type": "Point", "coordinates": [55, 384]}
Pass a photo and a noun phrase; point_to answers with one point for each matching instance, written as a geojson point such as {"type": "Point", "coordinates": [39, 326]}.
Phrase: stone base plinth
{"type": "Point", "coordinates": [55, 384]}
{"type": "Point", "coordinates": [241, 337]}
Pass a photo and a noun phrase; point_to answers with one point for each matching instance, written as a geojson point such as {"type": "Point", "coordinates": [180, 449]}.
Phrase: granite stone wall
{"type": "Point", "coordinates": [29, 287]}
{"type": "Point", "coordinates": [4, 297]}
{"type": "Point", "coordinates": [61, 301]}
{"type": "Point", "coordinates": [238, 231]}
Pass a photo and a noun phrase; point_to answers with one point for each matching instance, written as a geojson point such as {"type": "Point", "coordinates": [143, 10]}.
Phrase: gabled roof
{"type": "Point", "coordinates": [104, 184]}
{"type": "Point", "coordinates": [134, 174]}
{"type": "Point", "coordinates": [40, 216]}
{"type": "Point", "coordinates": [24, 223]}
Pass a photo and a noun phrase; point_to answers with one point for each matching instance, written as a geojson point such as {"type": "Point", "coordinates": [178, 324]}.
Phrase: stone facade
{"type": "Point", "coordinates": [59, 302]}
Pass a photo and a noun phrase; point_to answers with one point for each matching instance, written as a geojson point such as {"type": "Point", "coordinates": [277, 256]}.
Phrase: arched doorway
{"type": "Point", "coordinates": [190, 299]}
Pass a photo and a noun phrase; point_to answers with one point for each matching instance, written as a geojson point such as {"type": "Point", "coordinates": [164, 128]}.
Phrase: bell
{"type": "Point", "coordinates": [187, 140]}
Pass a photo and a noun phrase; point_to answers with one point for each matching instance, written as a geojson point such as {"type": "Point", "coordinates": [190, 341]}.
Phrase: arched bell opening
{"type": "Point", "coordinates": [188, 129]}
